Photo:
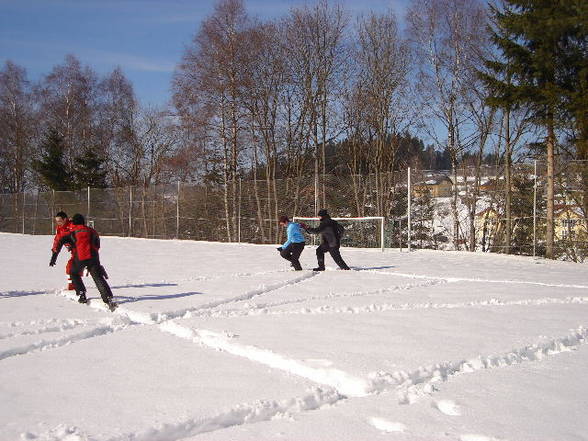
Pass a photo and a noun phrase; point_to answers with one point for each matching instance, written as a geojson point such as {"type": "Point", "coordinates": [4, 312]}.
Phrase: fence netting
{"type": "Point", "coordinates": [468, 208]}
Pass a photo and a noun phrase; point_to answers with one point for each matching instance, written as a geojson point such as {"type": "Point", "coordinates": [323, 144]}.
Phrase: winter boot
{"type": "Point", "coordinates": [83, 298]}
{"type": "Point", "coordinates": [319, 268]}
{"type": "Point", "coordinates": [112, 305]}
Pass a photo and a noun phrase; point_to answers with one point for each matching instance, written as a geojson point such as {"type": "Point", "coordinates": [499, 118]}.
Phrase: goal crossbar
{"type": "Point", "coordinates": [380, 218]}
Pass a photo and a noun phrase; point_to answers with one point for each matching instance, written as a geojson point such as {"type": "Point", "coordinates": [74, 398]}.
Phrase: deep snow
{"type": "Point", "coordinates": [224, 342]}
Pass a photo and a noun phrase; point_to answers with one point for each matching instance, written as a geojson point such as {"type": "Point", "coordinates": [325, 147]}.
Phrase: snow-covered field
{"type": "Point", "coordinates": [225, 342]}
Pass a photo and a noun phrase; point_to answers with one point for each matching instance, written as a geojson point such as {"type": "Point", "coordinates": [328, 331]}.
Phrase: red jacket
{"type": "Point", "coordinates": [60, 232]}
{"type": "Point", "coordinates": [84, 240]}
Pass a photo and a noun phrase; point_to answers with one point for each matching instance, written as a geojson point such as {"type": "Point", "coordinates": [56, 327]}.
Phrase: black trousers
{"type": "Point", "coordinates": [335, 254]}
{"type": "Point", "coordinates": [95, 270]}
{"type": "Point", "coordinates": [292, 253]}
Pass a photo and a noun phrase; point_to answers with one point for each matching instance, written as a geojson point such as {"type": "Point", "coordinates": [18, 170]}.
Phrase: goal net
{"type": "Point", "coordinates": [360, 232]}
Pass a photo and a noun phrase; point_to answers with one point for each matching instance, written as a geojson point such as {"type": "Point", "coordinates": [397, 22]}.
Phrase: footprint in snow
{"type": "Point", "coordinates": [319, 362]}
{"type": "Point", "coordinates": [448, 407]}
{"type": "Point", "coordinates": [386, 426]}
{"type": "Point", "coordinates": [476, 437]}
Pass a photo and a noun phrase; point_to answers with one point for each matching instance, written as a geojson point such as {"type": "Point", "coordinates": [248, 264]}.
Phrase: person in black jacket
{"type": "Point", "coordinates": [330, 240]}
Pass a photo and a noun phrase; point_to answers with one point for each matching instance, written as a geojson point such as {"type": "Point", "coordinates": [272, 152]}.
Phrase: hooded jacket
{"type": "Point", "coordinates": [294, 234]}
{"type": "Point", "coordinates": [328, 231]}
{"type": "Point", "coordinates": [84, 241]}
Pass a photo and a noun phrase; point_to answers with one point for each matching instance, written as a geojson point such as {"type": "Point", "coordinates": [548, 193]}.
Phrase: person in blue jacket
{"type": "Point", "coordinates": [294, 245]}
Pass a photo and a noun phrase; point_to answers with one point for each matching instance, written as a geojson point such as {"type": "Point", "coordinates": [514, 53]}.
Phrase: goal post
{"type": "Point", "coordinates": [371, 227]}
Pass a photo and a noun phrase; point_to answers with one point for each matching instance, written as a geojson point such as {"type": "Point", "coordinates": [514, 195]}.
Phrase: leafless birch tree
{"type": "Point", "coordinates": [445, 34]}
{"type": "Point", "coordinates": [17, 128]}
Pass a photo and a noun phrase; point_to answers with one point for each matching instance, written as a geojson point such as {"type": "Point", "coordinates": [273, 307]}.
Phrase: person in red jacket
{"type": "Point", "coordinates": [63, 227]}
{"type": "Point", "coordinates": [85, 243]}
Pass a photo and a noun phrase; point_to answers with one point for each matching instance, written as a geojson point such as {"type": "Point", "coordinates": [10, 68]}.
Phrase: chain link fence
{"type": "Point", "coordinates": [462, 209]}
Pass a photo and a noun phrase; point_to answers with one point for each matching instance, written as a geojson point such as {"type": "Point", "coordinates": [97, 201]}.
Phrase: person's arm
{"type": "Point", "coordinates": [55, 251]}
{"type": "Point", "coordinates": [56, 240]}
{"type": "Point", "coordinates": [289, 230]}
{"type": "Point", "coordinates": [316, 230]}
{"type": "Point", "coordinates": [96, 239]}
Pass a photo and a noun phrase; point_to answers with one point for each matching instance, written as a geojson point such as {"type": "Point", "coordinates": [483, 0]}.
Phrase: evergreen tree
{"type": "Point", "coordinates": [89, 170]}
{"type": "Point", "coordinates": [533, 71]}
{"type": "Point", "coordinates": [423, 214]}
{"type": "Point", "coordinates": [51, 167]}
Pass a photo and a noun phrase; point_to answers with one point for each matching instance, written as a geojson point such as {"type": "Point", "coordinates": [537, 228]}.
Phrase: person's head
{"type": "Point", "coordinates": [283, 221]}
{"type": "Point", "coordinates": [61, 218]}
{"type": "Point", "coordinates": [323, 213]}
{"type": "Point", "coordinates": [78, 219]}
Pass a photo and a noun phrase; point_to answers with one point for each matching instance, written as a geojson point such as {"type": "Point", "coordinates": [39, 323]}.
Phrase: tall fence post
{"type": "Point", "coordinates": [52, 212]}
{"type": "Point", "coordinates": [409, 220]}
{"type": "Point", "coordinates": [400, 233]}
{"type": "Point", "coordinates": [178, 213]}
{"type": "Point", "coordinates": [535, 209]}
{"type": "Point", "coordinates": [36, 213]}
{"type": "Point", "coordinates": [382, 237]}
{"type": "Point", "coordinates": [88, 211]}
{"type": "Point", "coordinates": [316, 188]}
{"type": "Point", "coordinates": [24, 201]}
{"type": "Point", "coordinates": [130, 210]}
{"type": "Point", "coordinates": [239, 213]}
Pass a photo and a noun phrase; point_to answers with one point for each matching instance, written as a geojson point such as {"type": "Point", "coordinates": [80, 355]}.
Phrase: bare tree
{"type": "Point", "coordinates": [383, 64]}
{"type": "Point", "coordinates": [158, 138]}
{"type": "Point", "coordinates": [445, 34]}
{"type": "Point", "coordinates": [210, 78]}
{"type": "Point", "coordinates": [263, 100]}
{"type": "Point", "coordinates": [118, 111]}
{"type": "Point", "coordinates": [68, 104]}
{"type": "Point", "coordinates": [315, 54]}
{"type": "Point", "coordinates": [17, 128]}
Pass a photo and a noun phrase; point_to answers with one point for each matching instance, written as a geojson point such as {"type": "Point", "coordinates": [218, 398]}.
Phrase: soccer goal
{"type": "Point", "coordinates": [362, 232]}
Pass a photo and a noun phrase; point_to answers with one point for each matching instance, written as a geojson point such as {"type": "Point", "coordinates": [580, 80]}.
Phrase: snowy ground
{"type": "Point", "coordinates": [224, 342]}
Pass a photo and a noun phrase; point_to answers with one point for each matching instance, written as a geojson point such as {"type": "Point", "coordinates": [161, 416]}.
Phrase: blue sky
{"type": "Point", "coordinates": [145, 37]}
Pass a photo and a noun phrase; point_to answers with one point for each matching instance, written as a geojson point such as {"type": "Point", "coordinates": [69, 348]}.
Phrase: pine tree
{"type": "Point", "coordinates": [89, 170]}
{"type": "Point", "coordinates": [51, 167]}
{"type": "Point", "coordinates": [533, 71]}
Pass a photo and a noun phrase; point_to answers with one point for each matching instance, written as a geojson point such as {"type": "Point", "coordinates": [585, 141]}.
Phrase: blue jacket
{"type": "Point", "coordinates": [294, 234]}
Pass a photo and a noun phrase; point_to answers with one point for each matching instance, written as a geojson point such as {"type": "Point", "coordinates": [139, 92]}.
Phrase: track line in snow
{"type": "Point", "coordinates": [175, 282]}
{"type": "Point", "coordinates": [44, 345]}
{"type": "Point", "coordinates": [411, 385]}
{"type": "Point", "coordinates": [12, 294]}
{"type": "Point", "coordinates": [343, 382]}
{"type": "Point", "coordinates": [98, 304]}
{"type": "Point", "coordinates": [109, 326]}
{"type": "Point", "coordinates": [259, 411]}
{"type": "Point", "coordinates": [478, 280]}
{"type": "Point", "coordinates": [261, 290]}
{"type": "Point", "coordinates": [263, 308]}
{"type": "Point", "coordinates": [60, 325]}
{"type": "Point", "coordinates": [246, 413]}
{"type": "Point", "coordinates": [375, 308]}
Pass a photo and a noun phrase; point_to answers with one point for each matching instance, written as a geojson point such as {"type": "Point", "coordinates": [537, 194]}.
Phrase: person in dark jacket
{"type": "Point", "coordinates": [330, 241]}
{"type": "Point", "coordinates": [294, 245]}
{"type": "Point", "coordinates": [85, 243]}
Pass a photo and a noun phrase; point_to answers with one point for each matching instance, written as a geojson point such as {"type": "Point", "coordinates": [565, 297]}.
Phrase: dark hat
{"type": "Point", "coordinates": [61, 214]}
{"type": "Point", "coordinates": [283, 219]}
{"type": "Point", "coordinates": [323, 213]}
{"type": "Point", "coordinates": [78, 219]}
